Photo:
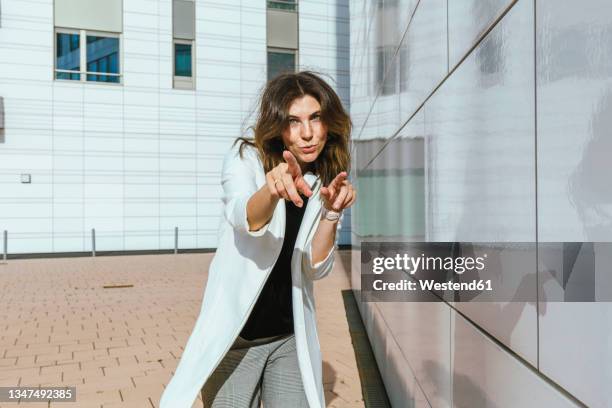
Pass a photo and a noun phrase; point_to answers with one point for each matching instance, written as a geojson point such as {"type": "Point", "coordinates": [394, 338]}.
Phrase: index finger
{"type": "Point", "coordinates": [294, 167]}
{"type": "Point", "coordinates": [337, 180]}
{"type": "Point", "coordinates": [303, 186]}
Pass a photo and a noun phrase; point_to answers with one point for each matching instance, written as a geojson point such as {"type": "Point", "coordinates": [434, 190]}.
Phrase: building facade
{"type": "Point", "coordinates": [488, 121]}
{"type": "Point", "coordinates": [116, 114]}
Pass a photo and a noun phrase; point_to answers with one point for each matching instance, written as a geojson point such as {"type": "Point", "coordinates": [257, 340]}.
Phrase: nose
{"type": "Point", "coordinates": [307, 130]}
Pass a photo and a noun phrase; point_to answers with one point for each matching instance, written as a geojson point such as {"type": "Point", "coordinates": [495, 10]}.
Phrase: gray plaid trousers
{"type": "Point", "coordinates": [254, 371]}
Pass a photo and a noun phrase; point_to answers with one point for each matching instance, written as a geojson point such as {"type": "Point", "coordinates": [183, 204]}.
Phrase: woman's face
{"type": "Point", "coordinates": [306, 134]}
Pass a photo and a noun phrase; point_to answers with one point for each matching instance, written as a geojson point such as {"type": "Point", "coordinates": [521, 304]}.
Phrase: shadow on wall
{"type": "Point", "coordinates": [466, 393]}
{"type": "Point", "coordinates": [589, 186]}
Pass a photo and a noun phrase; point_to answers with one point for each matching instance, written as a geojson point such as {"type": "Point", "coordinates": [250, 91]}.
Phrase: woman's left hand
{"type": "Point", "coordinates": [339, 194]}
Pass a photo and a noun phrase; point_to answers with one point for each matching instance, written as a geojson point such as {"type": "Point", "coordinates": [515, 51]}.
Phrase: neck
{"type": "Point", "coordinates": [306, 167]}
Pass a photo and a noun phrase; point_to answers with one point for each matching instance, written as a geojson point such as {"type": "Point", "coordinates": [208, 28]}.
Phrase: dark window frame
{"type": "Point", "coordinates": [283, 5]}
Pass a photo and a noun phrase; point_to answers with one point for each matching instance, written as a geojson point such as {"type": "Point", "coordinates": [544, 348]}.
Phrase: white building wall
{"type": "Point", "coordinates": [136, 160]}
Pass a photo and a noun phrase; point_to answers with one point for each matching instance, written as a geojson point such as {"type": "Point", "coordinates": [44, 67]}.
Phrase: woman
{"type": "Point", "coordinates": [283, 192]}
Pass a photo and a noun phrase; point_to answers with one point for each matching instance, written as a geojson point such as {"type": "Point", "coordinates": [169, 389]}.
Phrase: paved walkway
{"type": "Point", "coordinates": [119, 345]}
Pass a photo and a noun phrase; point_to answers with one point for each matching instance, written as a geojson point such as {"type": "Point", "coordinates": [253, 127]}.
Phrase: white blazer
{"type": "Point", "coordinates": [236, 276]}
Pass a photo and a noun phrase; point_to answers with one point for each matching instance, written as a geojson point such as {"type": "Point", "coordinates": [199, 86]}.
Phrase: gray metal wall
{"type": "Point", "coordinates": [487, 121]}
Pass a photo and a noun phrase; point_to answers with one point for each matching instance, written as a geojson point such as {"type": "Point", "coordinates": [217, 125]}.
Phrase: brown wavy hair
{"type": "Point", "coordinates": [273, 118]}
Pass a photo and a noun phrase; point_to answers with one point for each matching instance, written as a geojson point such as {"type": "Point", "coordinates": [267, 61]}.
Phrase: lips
{"type": "Point", "coordinates": [309, 149]}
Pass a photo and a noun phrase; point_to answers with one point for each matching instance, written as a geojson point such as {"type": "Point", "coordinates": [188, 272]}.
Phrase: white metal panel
{"type": "Point", "coordinates": [90, 14]}
{"type": "Point", "coordinates": [282, 29]}
{"type": "Point", "coordinates": [183, 19]}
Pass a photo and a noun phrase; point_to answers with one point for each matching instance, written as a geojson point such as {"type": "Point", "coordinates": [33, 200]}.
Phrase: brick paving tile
{"type": "Point", "coordinates": [120, 346]}
{"type": "Point", "coordinates": [58, 368]}
{"type": "Point", "coordinates": [78, 404]}
{"type": "Point", "coordinates": [53, 358]}
{"type": "Point", "coordinates": [77, 347]}
{"type": "Point", "coordinates": [78, 375]}
{"type": "Point", "coordinates": [26, 361]}
{"type": "Point", "coordinates": [17, 373]}
{"type": "Point", "coordinates": [36, 380]}
{"type": "Point", "coordinates": [99, 362]}
{"type": "Point", "coordinates": [8, 362]}
{"type": "Point", "coordinates": [99, 397]}
{"type": "Point", "coordinates": [144, 403]}
{"type": "Point", "coordinates": [20, 351]}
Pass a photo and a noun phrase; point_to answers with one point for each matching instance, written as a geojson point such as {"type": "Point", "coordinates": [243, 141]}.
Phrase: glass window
{"type": "Point", "coordinates": [182, 60]}
{"type": "Point", "coordinates": [290, 5]}
{"type": "Point", "coordinates": [68, 56]}
{"type": "Point", "coordinates": [279, 62]}
{"type": "Point", "coordinates": [103, 57]}
{"type": "Point", "coordinates": [81, 56]}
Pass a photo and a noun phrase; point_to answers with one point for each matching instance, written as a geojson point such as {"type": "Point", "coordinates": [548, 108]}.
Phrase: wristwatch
{"type": "Point", "coordinates": [330, 215]}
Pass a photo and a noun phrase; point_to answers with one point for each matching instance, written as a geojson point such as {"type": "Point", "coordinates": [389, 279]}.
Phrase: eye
{"type": "Point", "coordinates": [316, 118]}
{"type": "Point", "coordinates": [293, 121]}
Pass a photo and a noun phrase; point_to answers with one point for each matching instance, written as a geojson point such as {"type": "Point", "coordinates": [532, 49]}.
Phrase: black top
{"type": "Point", "coordinates": [272, 314]}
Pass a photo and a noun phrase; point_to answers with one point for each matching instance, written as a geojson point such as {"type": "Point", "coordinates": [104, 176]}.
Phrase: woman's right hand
{"type": "Point", "coordinates": [286, 179]}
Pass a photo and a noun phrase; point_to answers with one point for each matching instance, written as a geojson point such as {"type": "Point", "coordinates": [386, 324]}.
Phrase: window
{"type": "Point", "coordinates": [183, 64]}
{"type": "Point", "coordinates": [68, 56]}
{"type": "Point", "coordinates": [182, 60]}
{"type": "Point", "coordinates": [183, 44]}
{"type": "Point", "coordinates": [279, 61]}
{"type": "Point", "coordinates": [289, 5]}
{"type": "Point", "coordinates": [102, 59]}
{"type": "Point", "coordinates": [81, 55]}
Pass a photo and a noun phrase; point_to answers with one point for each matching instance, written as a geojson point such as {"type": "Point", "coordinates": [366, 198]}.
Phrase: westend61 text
{"type": "Point", "coordinates": [404, 284]}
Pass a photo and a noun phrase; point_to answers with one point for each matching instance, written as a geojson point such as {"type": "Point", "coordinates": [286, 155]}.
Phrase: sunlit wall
{"type": "Point", "coordinates": [488, 121]}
